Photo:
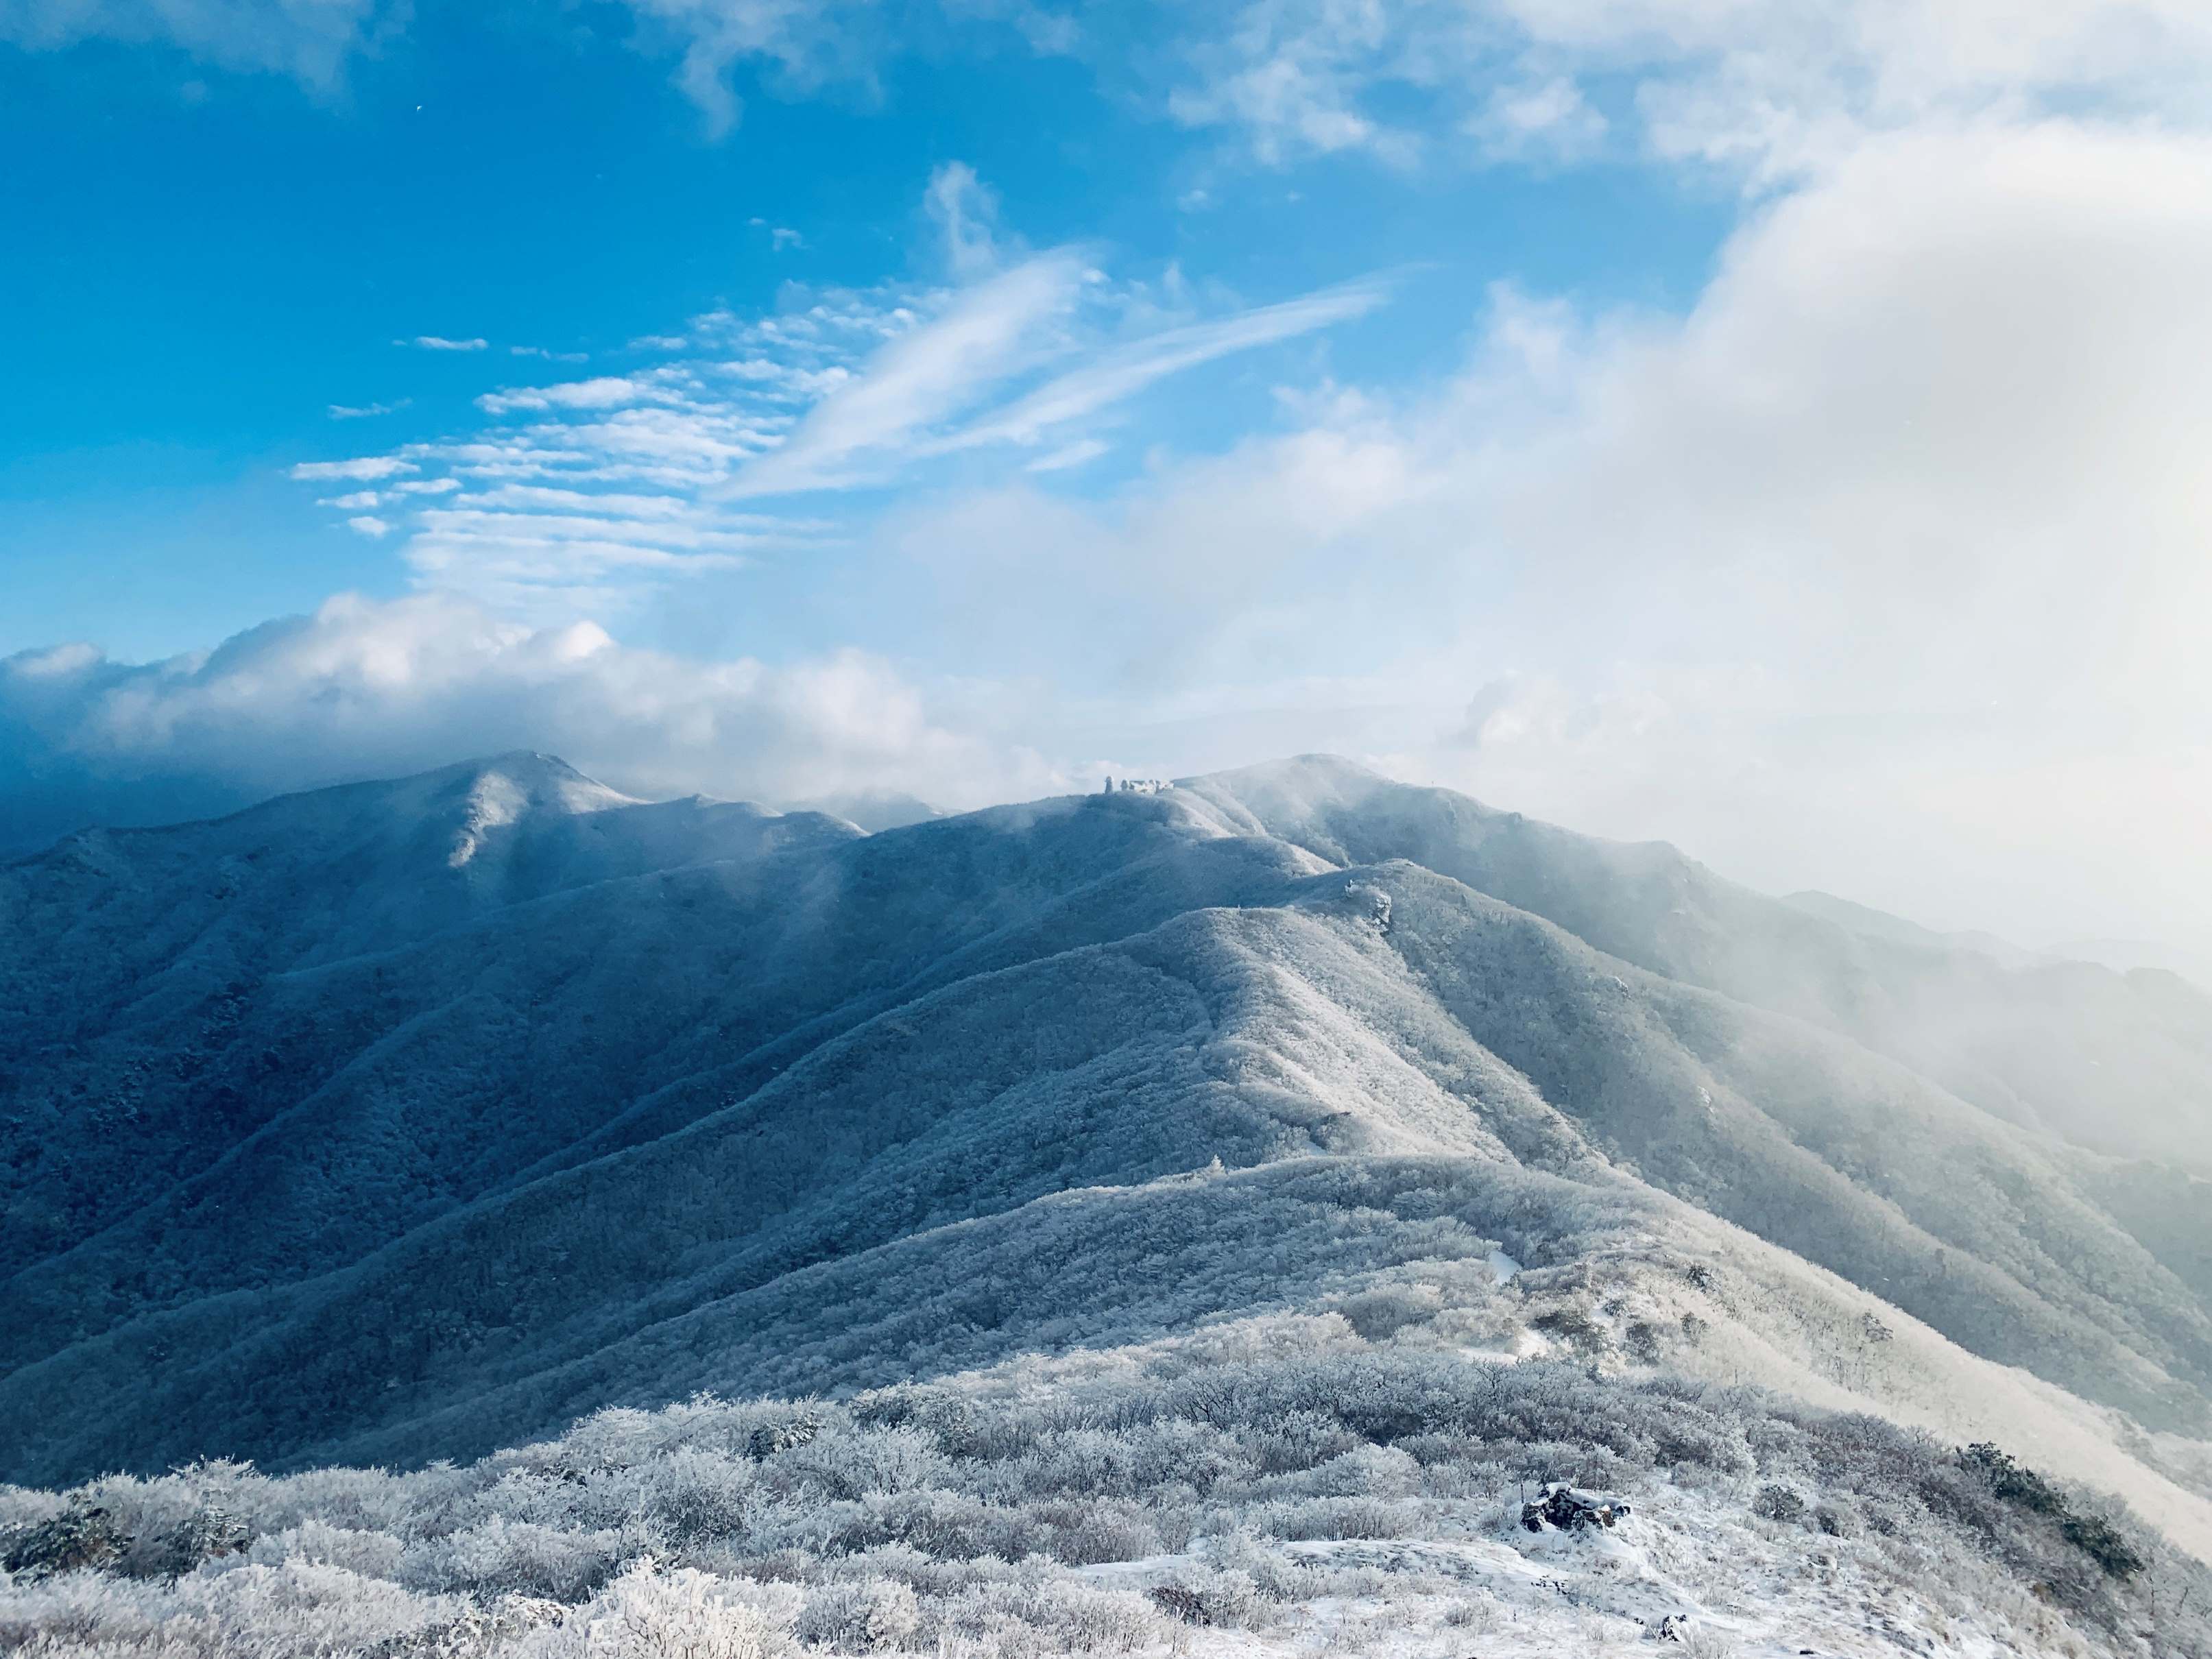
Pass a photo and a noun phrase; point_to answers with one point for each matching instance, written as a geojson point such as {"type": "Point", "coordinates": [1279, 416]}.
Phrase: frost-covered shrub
{"type": "Point", "coordinates": [860, 1461]}
{"type": "Point", "coordinates": [1778, 1502]}
{"type": "Point", "coordinates": [373, 1554]}
{"type": "Point", "coordinates": [1211, 1596]}
{"type": "Point", "coordinates": [1704, 1641]}
{"type": "Point", "coordinates": [499, 1557]}
{"type": "Point", "coordinates": [1299, 1440]}
{"type": "Point", "coordinates": [943, 1516]}
{"type": "Point", "coordinates": [1105, 1530]}
{"type": "Point", "coordinates": [647, 1613]}
{"type": "Point", "coordinates": [866, 1615]}
{"type": "Point", "coordinates": [1337, 1518]}
{"type": "Point", "coordinates": [368, 1500]}
{"type": "Point", "coordinates": [481, 1631]}
{"type": "Point", "coordinates": [1029, 1618]}
{"type": "Point", "coordinates": [612, 1439]}
{"type": "Point", "coordinates": [168, 1526]}
{"type": "Point", "coordinates": [1363, 1472]}
{"type": "Point", "coordinates": [949, 1525]}
{"type": "Point", "coordinates": [300, 1610]}
{"type": "Point", "coordinates": [75, 1536]}
{"type": "Point", "coordinates": [1385, 1309]}
{"type": "Point", "coordinates": [1275, 1575]}
{"type": "Point", "coordinates": [960, 1426]}
{"type": "Point", "coordinates": [1141, 1458]}
{"type": "Point", "coordinates": [695, 1497]}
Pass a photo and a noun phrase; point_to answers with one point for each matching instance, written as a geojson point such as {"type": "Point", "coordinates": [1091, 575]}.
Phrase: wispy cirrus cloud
{"type": "Point", "coordinates": [440, 342]}
{"type": "Point", "coordinates": [1118, 374]}
{"type": "Point", "coordinates": [742, 437]}
{"type": "Point", "coordinates": [365, 411]}
{"type": "Point", "coordinates": [984, 335]}
{"type": "Point", "coordinates": [361, 467]}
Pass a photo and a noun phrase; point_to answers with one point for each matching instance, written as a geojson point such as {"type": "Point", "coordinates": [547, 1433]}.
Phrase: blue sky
{"type": "Point", "coordinates": [1763, 426]}
{"type": "Point", "coordinates": [206, 263]}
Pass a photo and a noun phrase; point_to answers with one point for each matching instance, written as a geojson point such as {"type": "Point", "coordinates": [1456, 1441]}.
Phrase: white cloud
{"type": "Point", "coordinates": [1292, 73]}
{"type": "Point", "coordinates": [966, 213]}
{"type": "Point", "coordinates": [344, 412]}
{"type": "Point", "coordinates": [367, 525]}
{"type": "Point", "coordinates": [1081, 453]}
{"type": "Point", "coordinates": [439, 342]}
{"type": "Point", "coordinates": [1547, 120]}
{"type": "Point", "coordinates": [1119, 374]}
{"type": "Point", "coordinates": [603, 391]}
{"type": "Point", "coordinates": [365, 467]}
{"type": "Point", "coordinates": [369, 689]}
{"type": "Point", "coordinates": [780, 237]}
{"type": "Point", "coordinates": [1771, 86]}
{"type": "Point", "coordinates": [308, 41]}
{"type": "Point", "coordinates": [1897, 534]}
{"type": "Point", "coordinates": [935, 371]}
{"type": "Point", "coordinates": [806, 43]}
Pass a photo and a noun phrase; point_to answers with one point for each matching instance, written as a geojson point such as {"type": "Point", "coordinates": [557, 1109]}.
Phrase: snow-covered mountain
{"type": "Point", "coordinates": [409, 1121]}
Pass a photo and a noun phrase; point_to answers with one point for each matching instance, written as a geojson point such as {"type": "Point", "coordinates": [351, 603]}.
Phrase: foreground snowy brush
{"type": "Point", "coordinates": [1269, 1487]}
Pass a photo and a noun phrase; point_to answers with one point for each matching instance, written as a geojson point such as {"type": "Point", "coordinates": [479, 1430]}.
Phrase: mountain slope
{"type": "Point", "coordinates": [717, 1100]}
{"type": "Point", "coordinates": [156, 1008]}
{"type": "Point", "coordinates": [2121, 1064]}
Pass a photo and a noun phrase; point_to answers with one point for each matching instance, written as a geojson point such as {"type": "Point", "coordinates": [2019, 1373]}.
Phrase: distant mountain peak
{"type": "Point", "coordinates": [511, 782]}
{"type": "Point", "coordinates": [544, 778]}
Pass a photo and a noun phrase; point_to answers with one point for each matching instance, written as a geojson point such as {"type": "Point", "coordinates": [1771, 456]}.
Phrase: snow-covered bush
{"type": "Point", "coordinates": [1093, 1505]}
{"type": "Point", "coordinates": [499, 1557]}
{"type": "Point", "coordinates": [1039, 1618]}
{"type": "Point", "coordinates": [866, 1615]}
{"type": "Point", "coordinates": [648, 1613]}
{"type": "Point", "coordinates": [373, 1554]}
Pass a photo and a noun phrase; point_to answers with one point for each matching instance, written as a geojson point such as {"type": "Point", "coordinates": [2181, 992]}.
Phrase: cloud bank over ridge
{"type": "Point", "coordinates": [369, 689]}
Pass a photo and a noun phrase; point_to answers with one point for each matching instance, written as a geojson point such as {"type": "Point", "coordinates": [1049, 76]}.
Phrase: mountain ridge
{"type": "Point", "coordinates": [420, 1201]}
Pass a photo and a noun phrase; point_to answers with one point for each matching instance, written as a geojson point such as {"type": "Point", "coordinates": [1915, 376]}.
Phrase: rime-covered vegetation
{"type": "Point", "coordinates": [1262, 1485]}
{"type": "Point", "coordinates": [422, 1121]}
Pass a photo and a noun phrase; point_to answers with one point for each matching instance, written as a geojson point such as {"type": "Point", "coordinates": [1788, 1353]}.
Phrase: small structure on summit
{"type": "Point", "coordinates": [1136, 787]}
